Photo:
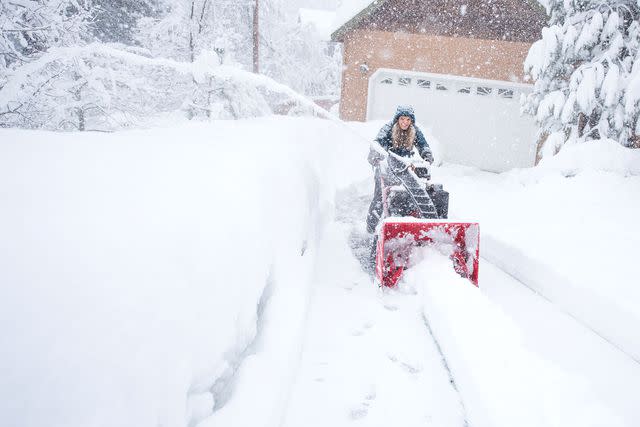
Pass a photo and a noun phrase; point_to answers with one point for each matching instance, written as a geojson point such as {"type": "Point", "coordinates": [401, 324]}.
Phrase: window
{"type": "Point", "coordinates": [441, 87]}
{"type": "Point", "coordinates": [424, 84]}
{"type": "Point", "coordinates": [484, 91]}
{"type": "Point", "coordinates": [505, 93]}
{"type": "Point", "coordinates": [404, 81]}
{"type": "Point", "coordinates": [387, 81]}
{"type": "Point", "coordinates": [464, 90]}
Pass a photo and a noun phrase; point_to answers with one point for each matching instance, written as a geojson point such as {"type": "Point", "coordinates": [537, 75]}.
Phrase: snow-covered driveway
{"type": "Point", "coordinates": [557, 337]}
{"type": "Point", "coordinates": [500, 356]}
{"type": "Point", "coordinates": [169, 277]}
{"type": "Point", "coordinates": [368, 356]}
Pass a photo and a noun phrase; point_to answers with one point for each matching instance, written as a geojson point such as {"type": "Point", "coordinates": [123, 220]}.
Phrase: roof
{"type": "Point", "coordinates": [321, 19]}
{"type": "Point", "coordinates": [515, 20]}
{"type": "Point", "coordinates": [350, 13]}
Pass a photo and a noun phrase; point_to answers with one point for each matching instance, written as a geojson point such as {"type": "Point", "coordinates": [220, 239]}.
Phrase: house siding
{"type": "Point", "coordinates": [468, 57]}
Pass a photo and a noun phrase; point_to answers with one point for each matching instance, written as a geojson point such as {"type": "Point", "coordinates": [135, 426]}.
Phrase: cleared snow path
{"type": "Point", "coordinates": [440, 352]}
{"type": "Point", "coordinates": [368, 356]}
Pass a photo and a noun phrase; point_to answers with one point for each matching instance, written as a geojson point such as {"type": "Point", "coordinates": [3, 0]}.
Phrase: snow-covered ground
{"type": "Point", "coordinates": [210, 274]}
{"type": "Point", "coordinates": [135, 267]}
{"type": "Point", "coordinates": [566, 230]}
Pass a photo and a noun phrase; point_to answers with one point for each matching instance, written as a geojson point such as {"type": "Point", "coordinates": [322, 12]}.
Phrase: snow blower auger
{"type": "Point", "coordinates": [414, 214]}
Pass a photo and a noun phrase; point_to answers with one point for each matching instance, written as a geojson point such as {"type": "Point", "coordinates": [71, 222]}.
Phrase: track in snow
{"type": "Point", "coordinates": [368, 355]}
{"type": "Point", "coordinates": [370, 358]}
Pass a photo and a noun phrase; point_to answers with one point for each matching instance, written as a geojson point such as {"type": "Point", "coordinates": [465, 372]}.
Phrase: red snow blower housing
{"type": "Point", "coordinates": [414, 214]}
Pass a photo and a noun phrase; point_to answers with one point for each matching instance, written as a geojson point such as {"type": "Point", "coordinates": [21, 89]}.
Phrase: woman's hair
{"type": "Point", "coordinates": [403, 139]}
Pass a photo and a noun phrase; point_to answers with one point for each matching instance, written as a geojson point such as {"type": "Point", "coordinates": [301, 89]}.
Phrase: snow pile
{"type": "Point", "coordinates": [500, 381]}
{"type": "Point", "coordinates": [565, 229]}
{"type": "Point", "coordinates": [603, 155]}
{"type": "Point", "coordinates": [140, 270]}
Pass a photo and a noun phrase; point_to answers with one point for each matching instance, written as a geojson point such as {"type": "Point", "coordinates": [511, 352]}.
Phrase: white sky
{"type": "Point", "coordinates": [319, 4]}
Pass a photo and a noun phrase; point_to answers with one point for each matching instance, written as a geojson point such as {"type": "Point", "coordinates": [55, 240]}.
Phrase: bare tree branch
{"type": "Point", "coordinates": [24, 30]}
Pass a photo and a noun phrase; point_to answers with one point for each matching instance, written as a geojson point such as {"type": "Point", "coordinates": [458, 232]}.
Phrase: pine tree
{"type": "Point", "coordinates": [583, 66]}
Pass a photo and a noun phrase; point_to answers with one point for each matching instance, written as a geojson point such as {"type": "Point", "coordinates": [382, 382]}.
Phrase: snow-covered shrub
{"type": "Point", "coordinates": [29, 27]}
{"type": "Point", "coordinates": [182, 29]}
{"type": "Point", "coordinates": [222, 92]}
{"type": "Point", "coordinates": [187, 56]}
{"type": "Point", "coordinates": [98, 87]}
{"type": "Point", "coordinates": [289, 52]}
{"type": "Point", "coordinates": [115, 21]}
{"type": "Point", "coordinates": [84, 88]}
{"type": "Point", "coordinates": [294, 54]}
{"type": "Point", "coordinates": [584, 69]}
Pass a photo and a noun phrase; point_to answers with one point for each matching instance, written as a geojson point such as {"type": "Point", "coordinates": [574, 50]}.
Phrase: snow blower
{"type": "Point", "coordinates": [415, 213]}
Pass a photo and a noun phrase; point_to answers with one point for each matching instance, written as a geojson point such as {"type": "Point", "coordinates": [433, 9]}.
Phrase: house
{"type": "Point", "coordinates": [458, 62]}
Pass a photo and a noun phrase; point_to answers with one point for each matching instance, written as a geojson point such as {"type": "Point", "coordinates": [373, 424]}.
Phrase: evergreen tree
{"type": "Point", "coordinates": [583, 66]}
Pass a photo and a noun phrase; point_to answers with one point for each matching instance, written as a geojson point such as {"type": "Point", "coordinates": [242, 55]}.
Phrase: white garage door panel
{"type": "Point", "coordinates": [478, 122]}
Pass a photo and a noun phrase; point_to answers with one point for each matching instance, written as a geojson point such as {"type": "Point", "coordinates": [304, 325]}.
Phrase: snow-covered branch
{"type": "Point", "coordinates": [585, 67]}
{"type": "Point", "coordinates": [70, 88]}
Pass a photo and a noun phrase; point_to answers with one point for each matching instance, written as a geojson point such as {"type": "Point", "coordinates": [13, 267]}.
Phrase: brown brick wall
{"type": "Point", "coordinates": [487, 59]}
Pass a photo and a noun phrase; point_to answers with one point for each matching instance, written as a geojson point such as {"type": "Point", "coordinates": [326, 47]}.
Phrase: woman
{"type": "Point", "coordinates": [399, 136]}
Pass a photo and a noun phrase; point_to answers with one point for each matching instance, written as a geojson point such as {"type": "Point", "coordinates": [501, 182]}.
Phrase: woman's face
{"type": "Point", "coordinates": [404, 122]}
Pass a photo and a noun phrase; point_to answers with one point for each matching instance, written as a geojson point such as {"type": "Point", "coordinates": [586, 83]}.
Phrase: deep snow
{"type": "Point", "coordinates": [206, 274]}
{"type": "Point", "coordinates": [565, 229]}
{"type": "Point", "coordinates": [132, 265]}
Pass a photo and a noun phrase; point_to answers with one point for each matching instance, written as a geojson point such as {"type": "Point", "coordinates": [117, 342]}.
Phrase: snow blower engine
{"type": "Point", "coordinates": [414, 214]}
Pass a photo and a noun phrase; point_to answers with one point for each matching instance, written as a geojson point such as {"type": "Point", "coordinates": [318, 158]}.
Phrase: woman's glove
{"type": "Point", "coordinates": [374, 157]}
{"type": "Point", "coordinates": [427, 156]}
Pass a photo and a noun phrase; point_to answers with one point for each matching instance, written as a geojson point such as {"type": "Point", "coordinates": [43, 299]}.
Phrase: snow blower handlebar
{"type": "Point", "coordinates": [413, 162]}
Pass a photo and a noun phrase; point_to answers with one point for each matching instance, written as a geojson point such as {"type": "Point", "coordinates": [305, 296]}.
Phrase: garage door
{"type": "Point", "coordinates": [476, 121]}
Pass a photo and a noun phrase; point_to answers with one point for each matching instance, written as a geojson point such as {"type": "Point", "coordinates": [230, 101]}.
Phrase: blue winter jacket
{"type": "Point", "coordinates": [385, 138]}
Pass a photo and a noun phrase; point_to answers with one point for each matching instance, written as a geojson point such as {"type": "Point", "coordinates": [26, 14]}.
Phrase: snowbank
{"type": "Point", "coordinates": [501, 382]}
{"type": "Point", "coordinates": [566, 229]}
{"type": "Point", "coordinates": [597, 156]}
{"type": "Point", "coordinates": [139, 270]}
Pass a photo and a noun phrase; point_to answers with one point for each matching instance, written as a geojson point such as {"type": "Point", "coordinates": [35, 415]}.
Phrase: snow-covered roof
{"type": "Point", "coordinates": [321, 19]}
{"type": "Point", "coordinates": [351, 11]}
